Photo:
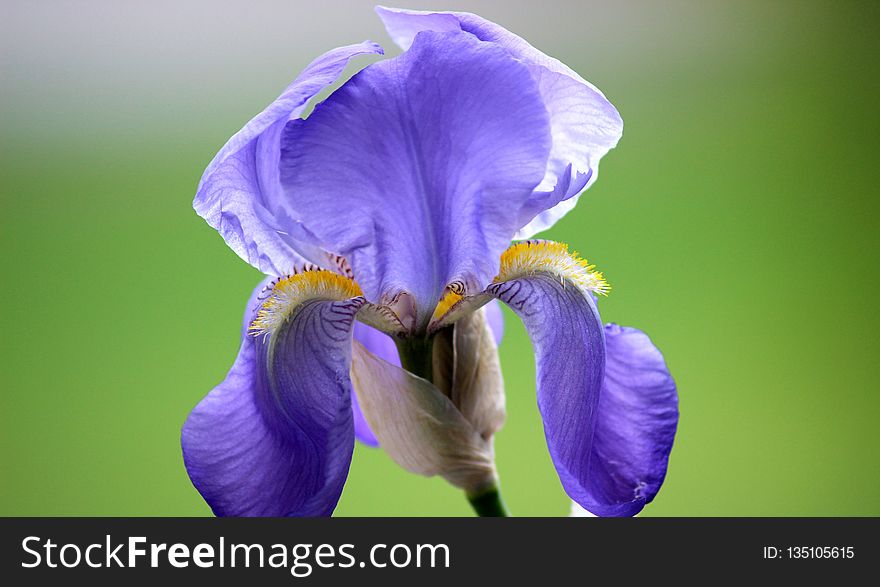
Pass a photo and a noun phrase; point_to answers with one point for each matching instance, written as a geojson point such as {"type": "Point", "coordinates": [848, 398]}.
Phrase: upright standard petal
{"type": "Point", "coordinates": [238, 193]}
{"type": "Point", "coordinates": [638, 416]}
{"type": "Point", "coordinates": [276, 437]}
{"type": "Point", "coordinates": [416, 170]}
{"type": "Point", "coordinates": [584, 123]}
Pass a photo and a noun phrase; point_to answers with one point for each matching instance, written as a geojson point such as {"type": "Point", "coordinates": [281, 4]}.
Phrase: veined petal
{"type": "Point", "coordinates": [608, 402]}
{"type": "Point", "coordinates": [585, 125]}
{"type": "Point", "coordinates": [416, 170]}
{"type": "Point", "coordinates": [276, 437]}
{"type": "Point", "coordinates": [638, 416]}
{"type": "Point", "coordinates": [239, 191]}
{"type": "Point", "coordinates": [568, 339]}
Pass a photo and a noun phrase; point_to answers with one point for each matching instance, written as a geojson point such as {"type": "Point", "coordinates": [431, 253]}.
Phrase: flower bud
{"type": "Point", "coordinates": [443, 427]}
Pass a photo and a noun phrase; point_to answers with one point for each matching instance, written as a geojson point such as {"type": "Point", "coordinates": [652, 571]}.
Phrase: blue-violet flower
{"type": "Point", "coordinates": [384, 223]}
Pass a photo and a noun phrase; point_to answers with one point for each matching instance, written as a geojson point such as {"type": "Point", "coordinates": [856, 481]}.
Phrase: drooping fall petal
{"type": "Point", "coordinates": [608, 402]}
{"type": "Point", "coordinates": [275, 438]}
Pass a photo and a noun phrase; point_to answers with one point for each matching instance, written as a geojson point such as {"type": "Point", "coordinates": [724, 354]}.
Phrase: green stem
{"type": "Point", "coordinates": [416, 356]}
{"type": "Point", "coordinates": [488, 503]}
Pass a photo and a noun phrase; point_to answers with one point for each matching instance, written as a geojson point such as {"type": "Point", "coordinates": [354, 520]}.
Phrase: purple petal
{"type": "Point", "coordinates": [496, 320]}
{"type": "Point", "coordinates": [585, 125]}
{"type": "Point", "coordinates": [608, 402]}
{"type": "Point", "coordinates": [362, 430]}
{"type": "Point", "coordinates": [381, 345]}
{"type": "Point", "coordinates": [276, 437]}
{"type": "Point", "coordinates": [258, 296]}
{"type": "Point", "coordinates": [238, 193]}
{"type": "Point", "coordinates": [416, 169]}
{"type": "Point", "coordinates": [568, 339]}
{"type": "Point", "coordinates": [638, 415]}
{"type": "Point", "coordinates": [377, 342]}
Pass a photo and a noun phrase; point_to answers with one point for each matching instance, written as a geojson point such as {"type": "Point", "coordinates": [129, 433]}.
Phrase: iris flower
{"type": "Point", "coordinates": [384, 221]}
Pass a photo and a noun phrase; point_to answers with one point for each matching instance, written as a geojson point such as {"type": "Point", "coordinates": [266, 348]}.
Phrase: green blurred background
{"type": "Point", "coordinates": [737, 221]}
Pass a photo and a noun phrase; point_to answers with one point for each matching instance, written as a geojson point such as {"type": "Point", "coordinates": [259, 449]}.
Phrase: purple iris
{"type": "Point", "coordinates": [384, 223]}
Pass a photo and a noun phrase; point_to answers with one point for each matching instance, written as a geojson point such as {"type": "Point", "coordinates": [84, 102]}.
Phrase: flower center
{"type": "Point", "coordinates": [523, 260]}
{"type": "Point", "coordinates": [519, 260]}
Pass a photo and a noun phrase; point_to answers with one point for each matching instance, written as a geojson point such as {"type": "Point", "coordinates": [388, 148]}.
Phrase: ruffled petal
{"type": "Point", "coordinates": [585, 125]}
{"type": "Point", "coordinates": [276, 437]}
{"type": "Point", "coordinates": [238, 193]}
{"type": "Point", "coordinates": [638, 416]}
{"type": "Point", "coordinates": [416, 169]}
